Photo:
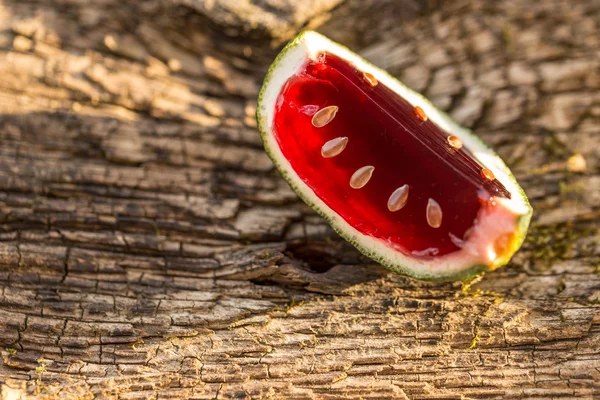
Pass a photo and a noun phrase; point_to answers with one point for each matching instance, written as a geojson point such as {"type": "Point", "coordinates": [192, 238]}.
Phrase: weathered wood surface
{"type": "Point", "coordinates": [148, 249]}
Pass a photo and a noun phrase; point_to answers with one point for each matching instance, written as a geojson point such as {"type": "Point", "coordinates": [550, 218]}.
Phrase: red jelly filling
{"type": "Point", "coordinates": [374, 127]}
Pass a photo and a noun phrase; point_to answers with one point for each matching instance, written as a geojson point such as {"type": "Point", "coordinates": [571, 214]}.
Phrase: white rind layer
{"type": "Point", "coordinates": [477, 255]}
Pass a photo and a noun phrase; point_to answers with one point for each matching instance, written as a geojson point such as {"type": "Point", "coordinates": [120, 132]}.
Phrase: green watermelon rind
{"type": "Point", "coordinates": [464, 273]}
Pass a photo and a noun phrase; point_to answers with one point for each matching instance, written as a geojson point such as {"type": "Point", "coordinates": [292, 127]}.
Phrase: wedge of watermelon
{"type": "Point", "coordinates": [392, 174]}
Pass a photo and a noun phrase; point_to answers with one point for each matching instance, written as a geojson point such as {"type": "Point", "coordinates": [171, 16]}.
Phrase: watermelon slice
{"type": "Point", "coordinates": [392, 174]}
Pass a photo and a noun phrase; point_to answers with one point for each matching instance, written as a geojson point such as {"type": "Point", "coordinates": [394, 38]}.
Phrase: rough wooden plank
{"type": "Point", "coordinates": [149, 250]}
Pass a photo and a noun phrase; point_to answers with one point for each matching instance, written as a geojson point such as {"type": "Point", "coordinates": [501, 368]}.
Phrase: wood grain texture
{"type": "Point", "coordinates": [148, 249]}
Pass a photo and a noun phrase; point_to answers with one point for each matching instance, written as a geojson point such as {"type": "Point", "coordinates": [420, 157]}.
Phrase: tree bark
{"type": "Point", "coordinates": [148, 248]}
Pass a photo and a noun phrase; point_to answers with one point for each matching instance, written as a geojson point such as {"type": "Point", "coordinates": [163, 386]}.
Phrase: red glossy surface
{"type": "Point", "coordinates": [383, 130]}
